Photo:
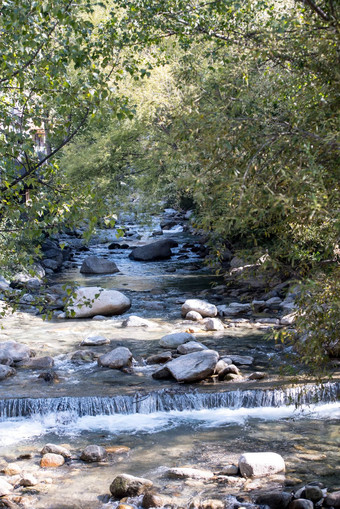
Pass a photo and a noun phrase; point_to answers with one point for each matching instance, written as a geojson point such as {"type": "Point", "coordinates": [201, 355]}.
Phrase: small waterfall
{"type": "Point", "coordinates": [167, 400]}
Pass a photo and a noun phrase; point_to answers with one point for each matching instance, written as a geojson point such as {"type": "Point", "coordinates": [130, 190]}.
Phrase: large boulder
{"type": "Point", "coordinates": [189, 473]}
{"type": "Point", "coordinates": [160, 250]}
{"type": "Point", "coordinates": [202, 307]}
{"type": "Point", "coordinates": [176, 339]}
{"type": "Point", "coordinates": [93, 300]}
{"type": "Point", "coordinates": [97, 265]}
{"type": "Point", "coordinates": [193, 367]}
{"type": "Point", "coordinates": [116, 359]}
{"type": "Point", "coordinates": [5, 487]}
{"type": "Point", "coordinates": [17, 352]}
{"type": "Point", "coordinates": [191, 347]}
{"type": "Point", "coordinates": [125, 485]}
{"type": "Point", "coordinates": [260, 464]}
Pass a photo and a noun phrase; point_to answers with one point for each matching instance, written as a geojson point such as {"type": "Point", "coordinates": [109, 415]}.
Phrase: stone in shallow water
{"type": "Point", "coordinates": [333, 499]}
{"type": "Point", "coordinates": [274, 499]}
{"type": "Point", "coordinates": [37, 363]}
{"type": "Point", "coordinates": [229, 470]}
{"type": "Point", "coordinates": [160, 250]}
{"type": "Point", "coordinates": [6, 371]}
{"type": "Point", "coordinates": [116, 359]}
{"type": "Point", "coordinates": [51, 460]}
{"type": "Point", "coordinates": [93, 453]}
{"type": "Point", "coordinates": [212, 324]}
{"type": "Point", "coordinates": [189, 473]}
{"type": "Point", "coordinates": [153, 500]}
{"type": "Point", "coordinates": [125, 485]}
{"type": "Point", "coordinates": [301, 503]}
{"type": "Point", "coordinates": [97, 265]}
{"type": "Point", "coordinates": [257, 375]}
{"type": "Point", "coordinates": [159, 358]}
{"type": "Point", "coordinates": [137, 321]}
{"type": "Point", "coordinates": [204, 308]}
{"type": "Point", "coordinates": [242, 359]}
{"type": "Point", "coordinates": [28, 480]}
{"type": "Point", "coordinates": [193, 367]}
{"type": "Point", "coordinates": [95, 341]}
{"type": "Point", "coordinates": [56, 449]}
{"type": "Point", "coordinates": [190, 347]}
{"type": "Point", "coordinates": [92, 300]}
{"type": "Point", "coordinates": [12, 469]}
{"type": "Point", "coordinates": [259, 464]}
{"type": "Point", "coordinates": [15, 351]}
{"type": "Point", "coordinates": [194, 316]}
{"type": "Point", "coordinates": [176, 339]}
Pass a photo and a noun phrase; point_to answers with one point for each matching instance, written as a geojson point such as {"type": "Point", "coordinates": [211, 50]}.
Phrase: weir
{"type": "Point", "coordinates": [167, 400]}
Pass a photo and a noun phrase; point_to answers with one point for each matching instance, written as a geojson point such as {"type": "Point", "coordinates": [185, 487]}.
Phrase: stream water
{"type": "Point", "coordinates": [163, 424]}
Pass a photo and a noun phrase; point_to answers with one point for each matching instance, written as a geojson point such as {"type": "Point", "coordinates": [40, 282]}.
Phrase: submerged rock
{"type": "Point", "coordinates": [97, 265]}
{"type": "Point", "coordinates": [204, 308]}
{"type": "Point", "coordinates": [125, 485]}
{"type": "Point", "coordinates": [116, 359]}
{"type": "Point", "coordinates": [93, 300]}
{"type": "Point", "coordinates": [160, 250]}
{"type": "Point", "coordinates": [260, 464]}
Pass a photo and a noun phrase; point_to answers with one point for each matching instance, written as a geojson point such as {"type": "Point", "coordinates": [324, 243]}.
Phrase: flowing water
{"type": "Point", "coordinates": [164, 424]}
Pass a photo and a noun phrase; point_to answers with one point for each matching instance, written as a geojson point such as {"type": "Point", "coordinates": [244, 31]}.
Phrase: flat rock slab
{"type": "Point", "coordinates": [204, 308]}
{"type": "Point", "coordinates": [97, 265]}
{"type": "Point", "coordinates": [92, 300]}
{"type": "Point", "coordinates": [260, 464]}
{"type": "Point", "coordinates": [193, 367]}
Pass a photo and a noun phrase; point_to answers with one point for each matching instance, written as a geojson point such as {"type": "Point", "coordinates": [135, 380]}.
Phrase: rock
{"type": "Point", "coordinates": [15, 351]}
{"type": "Point", "coordinates": [190, 347]}
{"type": "Point", "coordinates": [83, 356]}
{"type": "Point", "coordinates": [159, 358]}
{"type": "Point", "coordinates": [6, 372]}
{"type": "Point", "coordinates": [257, 375]}
{"type": "Point", "coordinates": [274, 303]}
{"type": "Point", "coordinates": [301, 503]}
{"type": "Point", "coordinates": [333, 499]}
{"type": "Point", "coordinates": [37, 363]}
{"type": "Point", "coordinates": [161, 373]}
{"type": "Point", "coordinates": [189, 473]}
{"type": "Point", "coordinates": [259, 464]}
{"type": "Point", "coordinates": [204, 308]}
{"type": "Point", "coordinates": [116, 359]}
{"type": "Point", "coordinates": [125, 485]}
{"type": "Point", "coordinates": [245, 360]}
{"type": "Point", "coordinates": [274, 499]}
{"type": "Point", "coordinates": [51, 460]}
{"type": "Point", "coordinates": [27, 480]}
{"type": "Point", "coordinates": [193, 367]}
{"type": "Point", "coordinates": [229, 470]}
{"type": "Point", "coordinates": [12, 469]}
{"type": "Point", "coordinates": [4, 284]}
{"type": "Point", "coordinates": [234, 309]}
{"type": "Point", "coordinates": [160, 250]}
{"type": "Point", "coordinates": [152, 500]}
{"type": "Point", "coordinates": [237, 262]}
{"type": "Point", "coordinates": [55, 449]}
{"type": "Point", "coordinates": [136, 321]}
{"type": "Point", "coordinates": [230, 376]}
{"type": "Point", "coordinates": [95, 341]}
{"type": "Point", "coordinates": [213, 324]}
{"type": "Point", "coordinates": [221, 365]}
{"type": "Point", "coordinates": [210, 503]}
{"type": "Point", "coordinates": [49, 376]}
{"type": "Point", "coordinates": [97, 265]}
{"type": "Point", "coordinates": [5, 488]}
{"type": "Point", "coordinates": [176, 339]}
{"type": "Point", "coordinates": [230, 368]}
{"type": "Point", "coordinates": [313, 493]}
{"type": "Point", "coordinates": [117, 449]}
{"type": "Point", "coordinates": [258, 305]}
{"type": "Point", "coordinates": [93, 453]}
{"type": "Point", "coordinates": [194, 316]}
{"type": "Point", "coordinates": [288, 319]}
{"type": "Point", "coordinates": [94, 300]}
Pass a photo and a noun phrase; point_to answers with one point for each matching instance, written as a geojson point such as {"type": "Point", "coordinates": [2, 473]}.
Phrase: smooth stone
{"type": "Point", "coordinates": [97, 265]}
{"type": "Point", "coordinates": [190, 347]}
{"type": "Point", "coordinates": [159, 358]}
{"type": "Point", "coordinates": [259, 464]}
{"type": "Point", "coordinates": [116, 359]}
{"type": "Point", "coordinates": [194, 316]}
{"type": "Point", "coordinates": [257, 375]}
{"type": "Point", "coordinates": [51, 460]}
{"type": "Point", "coordinates": [152, 500]}
{"type": "Point", "coordinates": [28, 480]}
{"type": "Point", "coordinates": [301, 503]}
{"type": "Point", "coordinates": [95, 341]}
{"type": "Point", "coordinates": [274, 499]}
{"type": "Point", "coordinates": [83, 356]}
{"type": "Point", "coordinates": [117, 449]}
{"type": "Point", "coordinates": [193, 367]}
{"type": "Point", "coordinates": [160, 250]}
{"type": "Point", "coordinates": [94, 300]}
{"type": "Point", "coordinates": [245, 360]}
{"type": "Point", "coordinates": [161, 373]}
{"type": "Point", "coordinates": [55, 449]}
{"type": "Point", "coordinates": [313, 493]}
{"type": "Point", "coordinates": [212, 324]}
{"type": "Point", "coordinates": [15, 351]}
{"type": "Point", "coordinates": [93, 453]}
{"type": "Point", "coordinates": [125, 485]}
{"type": "Point", "coordinates": [189, 473]}
{"type": "Point", "coordinates": [204, 308]}
{"type": "Point", "coordinates": [210, 503]}
{"type": "Point", "coordinates": [220, 366]}
{"type": "Point", "coordinates": [6, 371]}
{"type": "Point", "coordinates": [176, 339]}
{"type": "Point", "coordinates": [5, 487]}
{"type": "Point", "coordinates": [231, 377]}
{"type": "Point", "coordinates": [136, 321]}
{"type": "Point", "coordinates": [333, 499]}
{"type": "Point", "coordinates": [229, 470]}
{"type": "Point", "coordinates": [229, 369]}
{"type": "Point", "coordinates": [37, 363]}
{"type": "Point", "coordinates": [288, 319]}
{"type": "Point", "coordinates": [234, 309]}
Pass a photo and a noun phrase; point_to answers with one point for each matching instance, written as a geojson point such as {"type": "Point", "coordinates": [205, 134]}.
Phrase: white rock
{"type": "Point", "coordinates": [260, 464]}
{"type": "Point", "coordinates": [95, 341]}
{"type": "Point", "coordinates": [189, 473]}
{"type": "Point", "coordinates": [194, 316]}
{"type": "Point", "coordinates": [97, 265]}
{"type": "Point", "coordinates": [93, 300]}
{"type": "Point", "coordinates": [15, 351]}
{"type": "Point", "coordinates": [6, 371]}
{"type": "Point", "coordinates": [235, 308]}
{"type": "Point", "coordinates": [190, 347]}
{"type": "Point", "coordinates": [213, 324]}
{"type": "Point", "coordinates": [202, 307]}
{"type": "Point", "coordinates": [116, 359]}
{"type": "Point", "coordinates": [176, 339]}
{"type": "Point", "coordinates": [137, 321]}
